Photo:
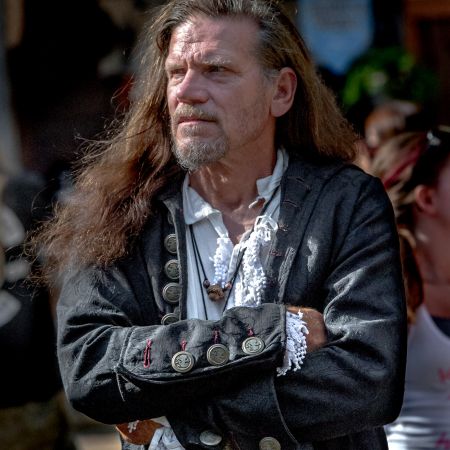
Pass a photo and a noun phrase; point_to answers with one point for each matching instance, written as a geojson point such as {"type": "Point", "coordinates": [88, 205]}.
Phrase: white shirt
{"type": "Point", "coordinates": [424, 421]}
{"type": "Point", "coordinates": [208, 226]}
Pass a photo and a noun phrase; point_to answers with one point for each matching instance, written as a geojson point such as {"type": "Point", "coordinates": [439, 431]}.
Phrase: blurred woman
{"type": "Point", "coordinates": [415, 169]}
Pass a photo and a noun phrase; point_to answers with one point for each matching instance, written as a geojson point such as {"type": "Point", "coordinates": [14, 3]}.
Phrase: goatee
{"type": "Point", "coordinates": [193, 155]}
{"type": "Point", "coordinates": [196, 152]}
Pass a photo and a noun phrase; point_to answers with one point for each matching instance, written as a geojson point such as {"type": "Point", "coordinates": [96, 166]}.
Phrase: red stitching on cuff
{"type": "Point", "coordinates": [147, 354]}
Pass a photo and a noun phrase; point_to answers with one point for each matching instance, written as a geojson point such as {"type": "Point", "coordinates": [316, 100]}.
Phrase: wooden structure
{"type": "Point", "coordinates": [427, 36]}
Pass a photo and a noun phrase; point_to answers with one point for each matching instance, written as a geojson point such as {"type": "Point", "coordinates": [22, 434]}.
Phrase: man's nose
{"type": "Point", "coordinates": [192, 89]}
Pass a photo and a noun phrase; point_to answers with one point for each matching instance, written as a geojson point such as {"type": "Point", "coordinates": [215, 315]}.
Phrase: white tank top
{"type": "Point", "coordinates": [424, 421]}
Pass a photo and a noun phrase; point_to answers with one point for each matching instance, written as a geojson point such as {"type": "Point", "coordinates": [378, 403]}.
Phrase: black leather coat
{"type": "Point", "coordinates": [336, 250]}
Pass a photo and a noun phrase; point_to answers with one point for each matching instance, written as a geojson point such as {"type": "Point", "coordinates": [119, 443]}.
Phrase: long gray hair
{"type": "Point", "coordinates": [116, 186]}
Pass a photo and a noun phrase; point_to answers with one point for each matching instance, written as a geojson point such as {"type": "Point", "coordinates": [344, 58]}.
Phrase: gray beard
{"type": "Point", "coordinates": [196, 154]}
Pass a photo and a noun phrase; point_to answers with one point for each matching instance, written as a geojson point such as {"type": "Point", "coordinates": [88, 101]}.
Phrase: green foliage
{"type": "Point", "coordinates": [388, 73]}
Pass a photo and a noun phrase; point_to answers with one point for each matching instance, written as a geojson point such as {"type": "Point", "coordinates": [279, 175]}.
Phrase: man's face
{"type": "Point", "coordinates": [218, 98]}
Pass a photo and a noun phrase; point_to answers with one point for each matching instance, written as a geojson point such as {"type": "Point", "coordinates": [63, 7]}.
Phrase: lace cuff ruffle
{"type": "Point", "coordinates": [296, 332]}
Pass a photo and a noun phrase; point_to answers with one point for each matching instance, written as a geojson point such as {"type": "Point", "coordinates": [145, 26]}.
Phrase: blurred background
{"type": "Point", "coordinates": [65, 67]}
{"type": "Point", "coordinates": [65, 72]}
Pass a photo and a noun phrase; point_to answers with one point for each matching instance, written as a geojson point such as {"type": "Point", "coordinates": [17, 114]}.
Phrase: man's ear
{"type": "Point", "coordinates": [285, 87]}
{"type": "Point", "coordinates": [424, 198]}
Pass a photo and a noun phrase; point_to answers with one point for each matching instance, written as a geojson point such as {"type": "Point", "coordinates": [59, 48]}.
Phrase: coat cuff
{"type": "Point", "coordinates": [184, 350]}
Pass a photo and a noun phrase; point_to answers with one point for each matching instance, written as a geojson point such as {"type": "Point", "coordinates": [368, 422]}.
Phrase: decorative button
{"type": "Point", "coordinates": [170, 318]}
{"type": "Point", "coordinates": [269, 443]}
{"type": "Point", "coordinates": [172, 293]}
{"type": "Point", "coordinates": [253, 345]}
{"type": "Point", "coordinates": [210, 438]}
{"type": "Point", "coordinates": [183, 361]}
{"type": "Point", "coordinates": [218, 355]}
{"type": "Point", "coordinates": [172, 269]}
{"type": "Point", "coordinates": [170, 242]}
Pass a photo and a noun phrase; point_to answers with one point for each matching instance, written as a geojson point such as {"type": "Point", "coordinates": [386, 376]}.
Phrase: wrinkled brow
{"type": "Point", "coordinates": [213, 60]}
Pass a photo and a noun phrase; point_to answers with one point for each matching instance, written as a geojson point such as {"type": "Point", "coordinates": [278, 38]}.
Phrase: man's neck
{"type": "Point", "coordinates": [230, 187]}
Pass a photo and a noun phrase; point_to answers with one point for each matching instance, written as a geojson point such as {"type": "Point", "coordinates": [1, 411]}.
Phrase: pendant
{"type": "Point", "coordinates": [215, 293]}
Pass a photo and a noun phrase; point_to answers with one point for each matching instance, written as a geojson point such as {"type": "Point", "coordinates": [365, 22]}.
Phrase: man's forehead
{"type": "Point", "coordinates": [213, 36]}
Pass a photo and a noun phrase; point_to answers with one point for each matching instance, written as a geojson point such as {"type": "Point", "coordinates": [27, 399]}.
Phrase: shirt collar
{"type": "Point", "coordinates": [195, 208]}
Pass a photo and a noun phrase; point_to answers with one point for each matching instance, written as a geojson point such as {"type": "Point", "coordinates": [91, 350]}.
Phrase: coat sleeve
{"type": "Point", "coordinates": [355, 382]}
{"type": "Point", "coordinates": [116, 371]}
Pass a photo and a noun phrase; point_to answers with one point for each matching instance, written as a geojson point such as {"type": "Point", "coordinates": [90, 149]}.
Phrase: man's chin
{"type": "Point", "coordinates": [193, 164]}
{"type": "Point", "coordinates": [195, 156]}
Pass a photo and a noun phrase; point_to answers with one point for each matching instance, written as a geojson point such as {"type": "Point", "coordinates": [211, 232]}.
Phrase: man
{"type": "Point", "coordinates": [224, 204]}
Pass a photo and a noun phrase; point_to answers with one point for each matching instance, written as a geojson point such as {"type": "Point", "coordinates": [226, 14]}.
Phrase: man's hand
{"type": "Point", "coordinates": [139, 432]}
{"type": "Point", "coordinates": [317, 336]}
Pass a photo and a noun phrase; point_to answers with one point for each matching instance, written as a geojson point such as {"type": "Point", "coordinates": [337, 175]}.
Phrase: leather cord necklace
{"type": "Point", "coordinates": [216, 292]}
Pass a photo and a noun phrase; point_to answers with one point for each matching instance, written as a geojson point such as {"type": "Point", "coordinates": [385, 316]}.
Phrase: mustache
{"type": "Point", "coordinates": [191, 112]}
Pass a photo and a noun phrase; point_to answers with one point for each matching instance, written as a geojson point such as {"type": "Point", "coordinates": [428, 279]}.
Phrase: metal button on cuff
{"type": "Point", "coordinates": [269, 443]}
{"type": "Point", "coordinates": [210, 438]}
{"type": "Point", "coordinates": [183, 361]}
{"type": "Point", "coordinates": [218, 355]}
{"type": "Point", "coordinates": [253, 345]}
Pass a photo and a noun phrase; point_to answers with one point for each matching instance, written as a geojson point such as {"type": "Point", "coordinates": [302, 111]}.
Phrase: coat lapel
{"type": "Point", "coordinates": [300, 191]}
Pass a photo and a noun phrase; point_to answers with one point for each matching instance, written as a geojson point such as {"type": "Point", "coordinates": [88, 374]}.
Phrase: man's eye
{"type": "Point", "coordinates": [217, 69]}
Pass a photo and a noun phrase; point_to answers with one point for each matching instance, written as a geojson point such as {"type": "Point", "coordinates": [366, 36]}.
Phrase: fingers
{"type": "Point", "coordinates": [317, 336]}
{"type": "Point", "coordinates": [139, 432]}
